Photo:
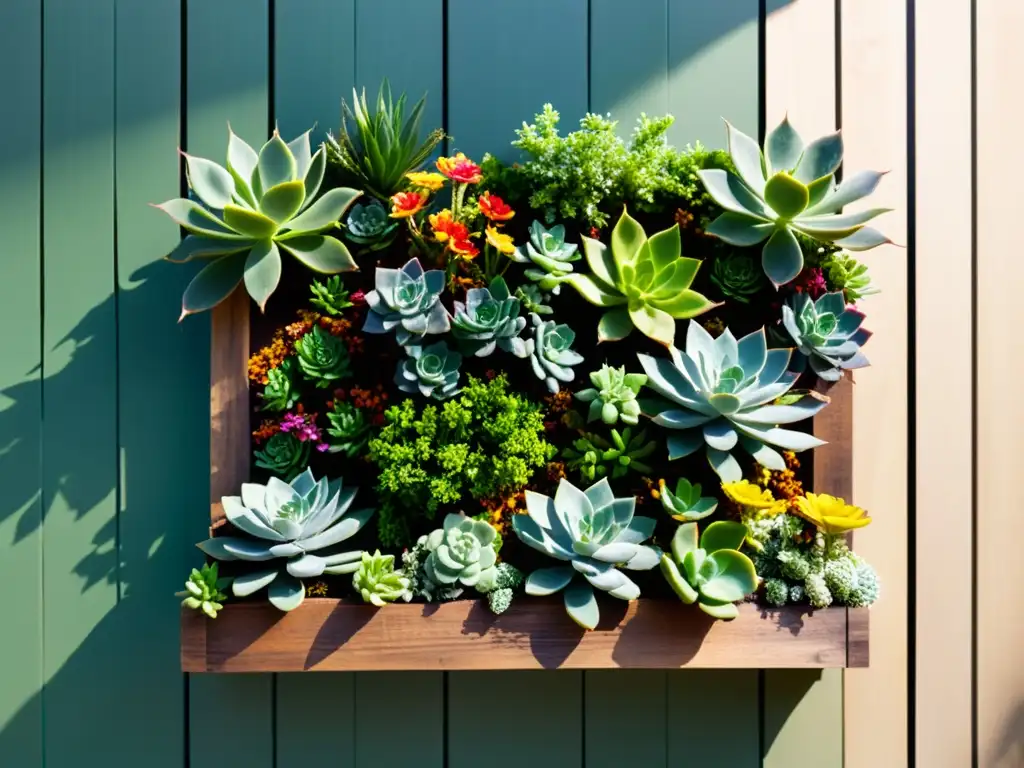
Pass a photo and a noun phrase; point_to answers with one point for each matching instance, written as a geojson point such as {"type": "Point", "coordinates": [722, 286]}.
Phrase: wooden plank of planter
{"type": "Point", "coordinates": [329, 635]}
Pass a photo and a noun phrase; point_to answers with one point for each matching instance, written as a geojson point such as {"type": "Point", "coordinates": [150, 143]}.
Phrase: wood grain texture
{"type": "Point", "coordinates": [329, 635]}
{"type": "Point", "coordinates": [230, 433]}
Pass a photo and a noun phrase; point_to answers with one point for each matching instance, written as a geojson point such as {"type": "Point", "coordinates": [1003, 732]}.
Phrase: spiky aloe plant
{"type": "Point", "coordinates": [256, 207]}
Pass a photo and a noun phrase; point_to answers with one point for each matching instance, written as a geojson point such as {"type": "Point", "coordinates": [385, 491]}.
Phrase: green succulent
{"type": "Point", "coordinates": [432, 371]}
{"type": "Point", "coordinates": [547, 250]}
{"type": "Point", "coordinates": [377, 581]}
{"type": "Point", "coordinates": [204, 591]}
{"type": "Point", "coordinates": [596, 457]}
{"type": "Point", "coordinates": [322, 357]}
{"type": "Point", "coordinates": [407, 301]}
{"type": "Point", "coordinates": [644, 283]}
{"type": "Point", "coordinates": [284, 455]}
{"type": "Point", "coordinates": [551, 353]}
{"type": "Point", "coordinates": [533, 299]}
{"type": "Point", "coordinates": [330, 296]}
{"type": "Point", "coordinates": [737, 277]}
{"type": "Point", "coordinates": [790, 189]}
{"type": "Point", "coordinates": [255, 208]}
{"type": "Point", "coordinates": [288, 523]}
{"type": "Point", "coordinates": [488, 319]}
{"type": "Point", "coordinates": [614, 395]}
{"type": "Point", "coordinates": [594, 534]}
{"type": "Point", "coordinates": [377, 148]}
{"type": "Point", "coordinates": [280, 393]}
{"type": "Point", "coordinates": [349, 431]}
{"type": "Point", "coordinates": [685, 504]}
{"type": "Point", "coordinates": [826, 332]}
{"type": "Point", "coordinates": [462, 552]}
{"type": "Point", "coordinates": [712, 573]}
{"type": "Point", "coordinates": [848, 275]}
{"type": "Point", "coordinates": [371, 225]}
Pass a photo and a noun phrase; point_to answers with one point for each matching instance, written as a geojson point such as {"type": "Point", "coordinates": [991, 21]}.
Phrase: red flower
{"type": "Point", "coordinates": [460, 169]}
{"type": "Point", "coordinates": [406, 204]}
{"type": "Point", "coordinates": [464, 248]}
{"type": "Point", "coordinates": [494, 208]}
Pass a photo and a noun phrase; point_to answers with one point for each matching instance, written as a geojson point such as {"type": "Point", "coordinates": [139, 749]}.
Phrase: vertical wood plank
{"type": "Point", "coordinates": [80, 467]}
{"type": "Point", "coordinates": [316, 723]}
{"type": "Point", "coordinates": [874, 110]}
{"type": "Point", "coordinates": [803, 725]}
{"type": "Point", "coordinates": [543, 708]}
{"type": "Point", "coordinates": [227, 78]}
{"type": "Point", "coordinates": [159, 446]}
{"type": "Point", "coordinates": [506, 58]}
{"type": "Point", "coordinates": [625, 717]}
{"type": "Point", "coordinates": [711, 43]}
{"type": "Point", "coordinates": [421, 701]}
{"type": "Point", "coordinates": [1000, 426]}
{"type": "Point", "coordinates": [944, 445]}
{"type": "Point", "coordinates": [700, 701]}
{"type": "Point", "coordinates": [21, 393]}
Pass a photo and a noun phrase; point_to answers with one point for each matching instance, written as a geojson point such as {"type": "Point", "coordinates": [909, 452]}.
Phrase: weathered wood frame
{"type": "Point", "coordinates": [333, 635]}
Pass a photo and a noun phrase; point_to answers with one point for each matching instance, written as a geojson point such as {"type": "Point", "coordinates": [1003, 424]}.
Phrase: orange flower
{"type": "Point", "coordinates": [406, 204]}
{"type": "Point", "coordinates": [425, 180]}
{"type": "Point", "coordinates": [494, 208]}
{"type": "Point", "coordinates": [500, 240]}
{"type": "Point", "coordinates": [460, 168]}
{"type": "Point", "coordinates": [446, 228]}
{"type": "Point", "coordinates": [464, 248]}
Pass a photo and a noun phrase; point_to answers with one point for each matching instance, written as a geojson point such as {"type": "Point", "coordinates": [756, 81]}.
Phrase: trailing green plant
{"type": "Point", "coordinates": [284, 454]}
{"type": "Point", "coordinates": [370, 225]}
{"type": "Point", "coordinates": [613, 396]}
{"type": "Point", "coordinates": [848, 275]}
{"type": "Point", "coordinates": [287, 526]}
{"type": "Point", "coordinates": [551, 353]}
{"type": "Point", "coordinates": [431, 371]}
{"type": "Point", "coordinates": [349, 430]}
{"type": "Point", "coordinates": [280, 392]}
{"type": "Point", "coordinates": [488, 319]}
{"type": "Point", "coordinates": [533, 299]}
{"type": "Point", "coordinates": [330, 296]}
{"type": "Point", "coordinates": [594, 534]}
{"type": "Point", "coordinates": [643, 283]}
{"type": "Point", "coordinates": [790, 188]}
{"type": "Point", "coordinates": [377, 581]}
{"type": "Point", "coordinates": [737, 277]}
{"type": "Point", "coordinates": [322, 357]}
{"type": "Point", "coordinates": [550, 256]}
{"type": "Point", "coordinates": [377, 148]}
{"type": "Point", "coordinates": [595, 457]}
{"type": "Point", "coordinates": [461, 552]}
{"type": "Point", "coordinates": [685, 504]}
{"type": "Point", "coordinates": [712, 572]}
{"type": "Point", "coordinates": [718, 393]}
{"type": "Point", "coordinates": [249, 212]}
{"type": "Point", "coordinates": [827, 333]}
{"type": "Point", "coordinates": [204, 590]}
{"type": "Point", "coordinates": [407, 301]}
{"type": "Point", "coordinates": [483, 443]}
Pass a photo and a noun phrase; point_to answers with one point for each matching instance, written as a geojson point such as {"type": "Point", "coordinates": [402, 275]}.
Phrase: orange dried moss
{"type": "Point", "coordinates": [559, 402]}
{"type": "Point", "coordinates": [266, 430]}
{"type": "Point", "coordinates": [784, 484]}
{"type": "Point", "coordinates": [269, 357]}
{"type": "Point", "coordinates": [714, 325]}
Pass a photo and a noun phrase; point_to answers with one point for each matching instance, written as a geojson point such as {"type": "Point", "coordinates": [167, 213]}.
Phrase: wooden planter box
{"type": "Point", "coordinates": [334, 635]}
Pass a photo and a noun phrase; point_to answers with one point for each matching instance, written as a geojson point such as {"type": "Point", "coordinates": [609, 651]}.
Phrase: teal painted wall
{"type": "Point", "coordinates": [104, 399]}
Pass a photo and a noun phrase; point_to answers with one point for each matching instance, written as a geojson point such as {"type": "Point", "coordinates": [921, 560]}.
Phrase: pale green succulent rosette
{"type": "Point", "coordinates": [250, 211]}
{"type": "Point", "coordinates": [685, 503]}
{"type": "Point", "coordinates": [462, 554]}
{"type": "Point", "coordinates": [549, 254]}
{"type": "Point", "coordinates": [827, 332]}
{"type": "Point", "coordinates": [408, 302]}
{"type": "Point", "coordinates": [431, 371]}
{"type": "Point", "coordinates": [488, 319]}
{"type": "Point", "coordinates": [613, 396]}
{"type": "Point", "coordinates": [377, 581]}
{"type": "Point", "coordinates": [551, 354]}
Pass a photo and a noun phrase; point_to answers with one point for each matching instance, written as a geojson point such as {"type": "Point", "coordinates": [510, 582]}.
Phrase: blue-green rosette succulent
{"type": "Point", "coordinates": [407, 301]}
{"type": "Point", "coordinates": [827, 333]}
{"type": "Point", "coordinates": [432, 371]}
{"type": "Point", "coordinates": [370, 225]}
{"type": "Point", "coordinates": [547, 250]}
{"type": "Point", "coordinates": [489, 318]}
{"type": "Point", "coordinates": [551, 353]}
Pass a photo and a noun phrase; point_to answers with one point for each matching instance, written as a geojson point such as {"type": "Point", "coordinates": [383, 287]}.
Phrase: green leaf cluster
{"type": "Point", "coordinates": [485, 442]}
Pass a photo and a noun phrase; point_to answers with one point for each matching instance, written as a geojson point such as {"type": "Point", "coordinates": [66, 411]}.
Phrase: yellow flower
{"type": "Point", "coordinates": [500, 240]}
{"type": "Point", "coordinates": [426, 180]}
{"type": "Point", "coordinates": [749, 495]}
{"type": "Point", "coordinates": [829, 514]}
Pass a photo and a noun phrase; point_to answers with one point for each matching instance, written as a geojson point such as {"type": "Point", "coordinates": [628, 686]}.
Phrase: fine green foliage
{"type": "Point", "coordinates": [462, 552]}
{"type": "Point", "coordinates": [595, 457]}
{"type": "Point", "coordinates": [483, 443]}
{"type": "Point", "coordinates": [431, 371]}
{"type": "Point", "coordinates": [349, 430]}
{"type": "Point", "coordinates": [643, 282]}
{"type": "Point", "coordinates": [255, 208]}
{"type": "Point", "coordinates": [549, 254]}
{"type": "Point", "coordinates": [376, 148]}
{"type": "Point", "coordinates": [407, 301]}
{"type": "Point", "coordinates": [595, 534]}
{"type": "Point", "coordinates": [488, 319]}
{"type": "Point", "coordinates": [284, 455]}
{"type": "Point", "coordinates": [551, 354]}
{"type": "Point", "coordinates": [613, 396]}
{"type": "Point", "coordinates": [322, 357]}
{"type": "Point", "coordinates": [827, 333]}
{"type": "Point", "coordinates": [329, 296]}
{"type": "Point", "coordinates": [204, 590]}
{"type": "Point", "coordinates": [848, 275]}
{"type": "Point", "coordinates": [280, 393]}
{"type": "Point", "coordinates": [285, 524]}
{"type": "Point", "coordinates": [712, 573]}
{"type": "Point", "coordinates": [738, 277]}
{"type": "Point", "coordinates": [377, 581]}
{"type": "Point", "coordinates": [685, 504]}
{"type": "Point", "coordinates": [370, 225]}
{"type": "Point", "coordinates": [786, 190]}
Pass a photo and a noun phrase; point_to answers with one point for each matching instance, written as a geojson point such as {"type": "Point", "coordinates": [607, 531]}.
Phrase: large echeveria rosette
{"type": "Point", "coordinates": [408, 302]}
{"type": "Point", "coordinates": [488, 319]}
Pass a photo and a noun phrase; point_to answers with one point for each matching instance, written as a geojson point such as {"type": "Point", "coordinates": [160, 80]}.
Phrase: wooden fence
{"type": "Point", "coordinates": [104, 400]}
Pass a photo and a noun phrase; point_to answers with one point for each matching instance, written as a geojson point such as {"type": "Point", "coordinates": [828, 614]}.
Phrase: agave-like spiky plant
{"type": "Point", "coordinates": [258, 206]}
{"type": "Point", "coordinates": [718, 393]}
{"type": "Point", "coordinates": [377, 148]}
{"type": "Point", "coordinates": [786, 189]}
{"type": "Point", "coordinates": [827, 332]}
{"type": "Point", "coordinates": [287, 523]}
